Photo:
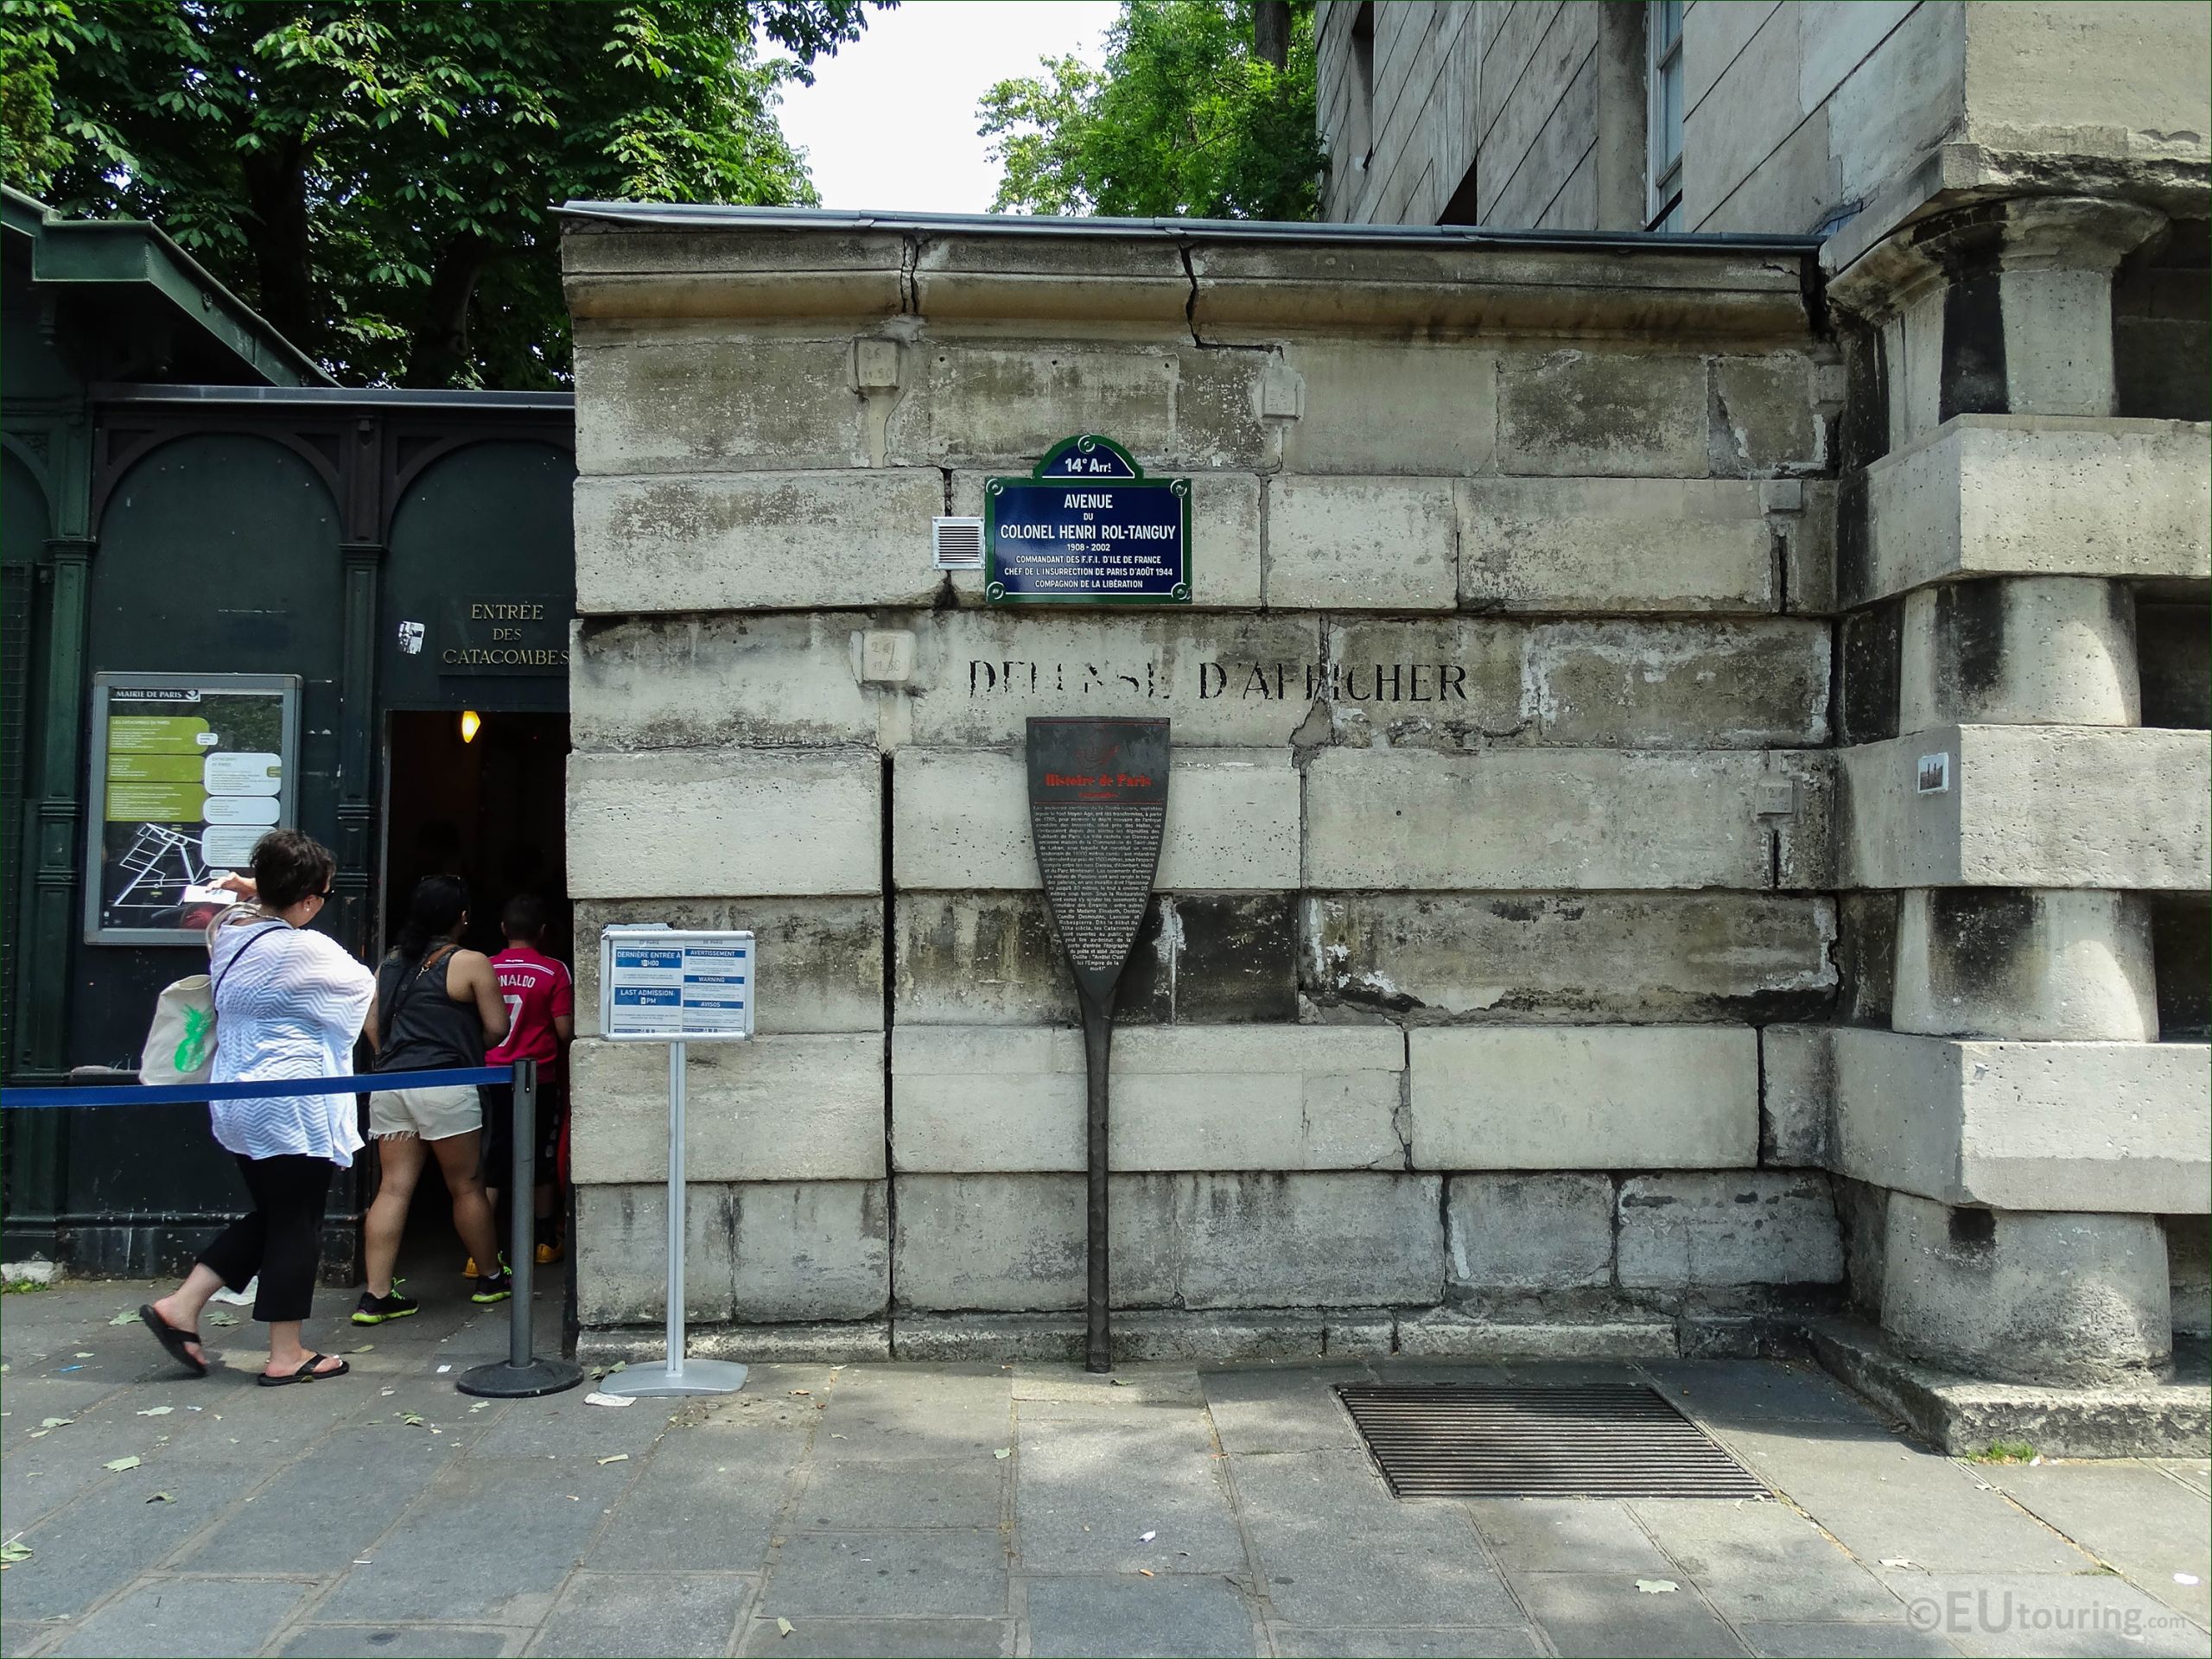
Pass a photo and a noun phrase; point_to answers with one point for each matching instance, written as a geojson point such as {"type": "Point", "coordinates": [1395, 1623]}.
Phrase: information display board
{"type": "Point", "coordinates": [675, 985]}
{"type": "Point", "coordinates": [1087, 527]}
{"type": "Point", "coordinates": [187, 773]}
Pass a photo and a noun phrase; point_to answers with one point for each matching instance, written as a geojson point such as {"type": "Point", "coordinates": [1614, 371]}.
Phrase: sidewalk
{"type": "Point", "coordinates": [1031, 1509]}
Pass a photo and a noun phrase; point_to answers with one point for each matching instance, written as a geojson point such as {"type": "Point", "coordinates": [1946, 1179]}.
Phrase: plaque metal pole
{"type": "Point", "coordinates": [1097, 1041]}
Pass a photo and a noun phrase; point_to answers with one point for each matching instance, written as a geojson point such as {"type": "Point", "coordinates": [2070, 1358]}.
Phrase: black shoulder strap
{"type": "Point", "coordinates": [259, 933]}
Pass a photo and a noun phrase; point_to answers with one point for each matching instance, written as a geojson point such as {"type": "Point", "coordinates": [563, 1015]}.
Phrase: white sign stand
{"type": "Point", "coordinates": [659, 984]}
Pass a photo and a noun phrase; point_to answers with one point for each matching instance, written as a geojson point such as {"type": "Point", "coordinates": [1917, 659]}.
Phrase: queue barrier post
{"type": "Point", "coordinates": [519, 1375]}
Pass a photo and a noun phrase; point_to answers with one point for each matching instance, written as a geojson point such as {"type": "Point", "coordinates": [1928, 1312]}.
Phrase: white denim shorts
{"type": "Point", "coordinates": [436, 1114]}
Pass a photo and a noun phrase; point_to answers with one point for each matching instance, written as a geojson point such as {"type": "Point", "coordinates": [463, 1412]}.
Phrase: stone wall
{"type": "Point", "coordinates": [1500, 849]}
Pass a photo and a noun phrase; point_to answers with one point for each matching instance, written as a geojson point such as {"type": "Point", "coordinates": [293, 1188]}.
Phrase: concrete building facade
{"type": "Point", "coordinates": [1688, 811]}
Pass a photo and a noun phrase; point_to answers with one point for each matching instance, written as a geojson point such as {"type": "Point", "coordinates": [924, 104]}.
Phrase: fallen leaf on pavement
{"type": "Point", "coordinates": [363, 1348]}
{"type": "Point", "coordinates": [86, 1354]}
{"type": "Point", "coordinates": [14, 1550]}
{"type": "Point", "coordinates": [1658, 1586]}
{"type": "Point", "coordinates": [1003, 1451]}
{"type": "Point", "coordinates": [157, 1411]}
{"type": "Point", "coordinates": [160, 1498]}
{"type": "Point", "coordinates": [802, 1390]}
{"type": "Point", "coordinates": [57, 1423]}
{"type": "Point", "coordinates": [619, 1457]}
{"type": "Point", "coordinates": [1898, 1560]}
{"type": "Point", "coordinates": [784, 1626]}
{"type": "Point", "coordinates": [412, 1419]}
{"type": "Point", "coordinates": [120, 1464]}
{"type": "Point", "coordinates": [1146, 1570]}
{"type": "Point", "coordinates": [129, 1316]}
{"type": "Point", "coordinates": [222, 1319]}
{"type": "Point", "coordinates": [1146, 1538]}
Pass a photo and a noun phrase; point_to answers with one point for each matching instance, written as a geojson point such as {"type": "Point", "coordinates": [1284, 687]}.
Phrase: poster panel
{"type": "Point", "coordinates": [187, 773]}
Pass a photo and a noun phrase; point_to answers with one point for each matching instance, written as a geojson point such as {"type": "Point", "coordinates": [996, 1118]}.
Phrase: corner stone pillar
{"type": "Point", "coordinates": [1992, 324]}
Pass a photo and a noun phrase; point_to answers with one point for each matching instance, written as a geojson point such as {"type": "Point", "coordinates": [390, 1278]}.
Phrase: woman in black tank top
{"type": "Point", "coordinates": [437, 1007]}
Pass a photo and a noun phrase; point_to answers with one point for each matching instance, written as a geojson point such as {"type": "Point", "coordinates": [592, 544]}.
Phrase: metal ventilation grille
{"type": "Point", "coordinates": [1601, 1440]}
{"type": "Point", "coordinates": [956, 544]}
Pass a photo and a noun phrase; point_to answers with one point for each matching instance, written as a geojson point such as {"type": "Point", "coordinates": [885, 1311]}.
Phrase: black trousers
{"type": "Point", "coordinates": [282, 1240]}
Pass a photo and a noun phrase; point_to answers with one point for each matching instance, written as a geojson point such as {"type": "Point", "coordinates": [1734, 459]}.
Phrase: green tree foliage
{"type": "Point", "coordinates": [376, 177]}
{"type": "Point", "coordinates": [1184, 119]}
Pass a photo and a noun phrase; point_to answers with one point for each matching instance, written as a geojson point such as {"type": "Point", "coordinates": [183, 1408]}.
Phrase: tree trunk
{"type": "Point", "coordinates": [439, 350]}
{"type": "Point", "coordinates": [1271, 32]}
{"type": "Point", "coordinates": [276, 190]}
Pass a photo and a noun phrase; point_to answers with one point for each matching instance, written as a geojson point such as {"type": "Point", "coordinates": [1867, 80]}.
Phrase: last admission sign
{"type": "Point", "coordinates": [1087, 527]}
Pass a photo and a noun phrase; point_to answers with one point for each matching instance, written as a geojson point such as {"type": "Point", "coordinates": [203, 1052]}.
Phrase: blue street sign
{"type": "Point", "coordinates": [1087, 528]}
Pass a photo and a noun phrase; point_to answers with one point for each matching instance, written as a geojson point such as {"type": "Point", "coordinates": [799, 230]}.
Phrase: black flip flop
{"type": "Point", "coordinates": [173, 1339]}
{"type": "Point", "coordinates": [307, 1373]}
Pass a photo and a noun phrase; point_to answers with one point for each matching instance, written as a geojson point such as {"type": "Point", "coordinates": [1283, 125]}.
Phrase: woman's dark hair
{"type": "Point", "coordinates": [439, 902]}
{"type": "Point", "coordinates": [289, 866]}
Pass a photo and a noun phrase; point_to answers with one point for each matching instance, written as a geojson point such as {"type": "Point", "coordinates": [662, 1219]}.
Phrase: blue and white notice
{"type": "Point", "coordinates": [663, 984]}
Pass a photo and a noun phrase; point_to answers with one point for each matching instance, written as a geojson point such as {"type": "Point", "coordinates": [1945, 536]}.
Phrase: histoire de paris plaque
{"type": "Point", "coordinates": [1098, 807]}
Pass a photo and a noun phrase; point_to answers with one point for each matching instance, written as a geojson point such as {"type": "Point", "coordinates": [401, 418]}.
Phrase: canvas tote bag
{"type": "Point", "coordinates": [180, 1042]}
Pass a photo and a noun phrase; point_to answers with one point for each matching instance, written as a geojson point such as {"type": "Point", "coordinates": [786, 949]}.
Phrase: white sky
{"type": "Point", "coordinates": [890, 121]}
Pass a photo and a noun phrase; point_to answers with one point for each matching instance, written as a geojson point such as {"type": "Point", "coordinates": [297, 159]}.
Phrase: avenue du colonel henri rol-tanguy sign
{"type": "Point", "coordinates": [1087, 527]}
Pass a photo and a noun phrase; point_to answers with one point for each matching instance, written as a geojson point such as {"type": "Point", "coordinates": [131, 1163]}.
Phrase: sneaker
{"type": "Point", "coordinates": [549, 1252]}
{"type": "Point", "coordinates": [375, 1310]}
{"type": "Point", "coordinates": [493, 1288]}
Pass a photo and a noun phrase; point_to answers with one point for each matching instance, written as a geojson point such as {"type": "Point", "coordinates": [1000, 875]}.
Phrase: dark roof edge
{"type": "Point", "coordinates": [710, 216]}
{"type": "Point", "coordinates": [249, 335]}
{"type": "Point", "coordinates": [551, 403]}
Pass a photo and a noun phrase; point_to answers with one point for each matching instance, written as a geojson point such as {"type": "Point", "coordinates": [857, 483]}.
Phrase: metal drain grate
{"type": "Point", "coordinates": [1599, 1440]}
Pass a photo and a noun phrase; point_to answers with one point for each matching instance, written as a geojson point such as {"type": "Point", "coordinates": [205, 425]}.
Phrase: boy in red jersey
{"type": "Point", "coordinates": [541, 1001]}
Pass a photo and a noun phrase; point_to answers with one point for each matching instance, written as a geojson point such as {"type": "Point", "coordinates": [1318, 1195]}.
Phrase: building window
{"type": "Point", "coordinates": [1663, 76]}
{"type": "Point", "coordinates": [1360, 134]}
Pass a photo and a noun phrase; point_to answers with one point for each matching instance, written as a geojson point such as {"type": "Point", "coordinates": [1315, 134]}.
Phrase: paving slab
{"type": "Point", "coordinates": [1598, 1615]}
{"type": "Point", "coordinates": [1334, 1549]}
{"type": "Point", "coordinates": [1752, 1393]}
{"type": "Point", "coordinates": [615, 1614]}
{"type": "Point", "coordinates": [319, 1513]}
{"type": "Point", "coordinates": [112, 1533]}
{"type": "Point", "coordinates": [404, 1642]}
{"type": "Point", "coordinates": [192, 1616]}
{"type": "Point", "coordinates": [888, 1574]}
{"type": "Point", "coordinates": [1566, 1534]}
{"type": "Point", "coordinates": [1119, 1616]}
{"type": "Point", "coordinates": [1282, 1411]}
{"type": "Point", "coordinates": [2128, 1516]}
{"type": "Point", "coordinates": [1841, 1641]}
{"type": "Point", "coordinates": [843, 1495]}
{"type": "Point", "coordinates": [698, 1505]}
{"type": "Point", "coordinates": [919, 1414]}
{"type": "Point", "coordinates": [1765, 1562]}
{"type": "Point", "coordinates": [2194, 1472]}
{"type": "Point", "coordinates": [1128, 1385]}
{"type": "Point", "coordinates": [1407, 1641]}
{"type": "Point", "coordinates": [1090, 1484]}
{"type": "Point", "coordinates": [21, 1636]}
{"type": "Point", "coordinates": [881, 1638]}
{"type": "Point", "coordinates": [2027, 1616]}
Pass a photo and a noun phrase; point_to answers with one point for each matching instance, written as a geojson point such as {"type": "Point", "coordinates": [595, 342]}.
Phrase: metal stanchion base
{"type": "Point", "coordinates": [651, 1382]}
{"type": "Point", "coordinates": [504, 1379]}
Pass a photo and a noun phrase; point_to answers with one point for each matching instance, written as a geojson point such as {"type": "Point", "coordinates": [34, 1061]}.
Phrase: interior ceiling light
{"type": "Point", "coordinates": [471, 723]}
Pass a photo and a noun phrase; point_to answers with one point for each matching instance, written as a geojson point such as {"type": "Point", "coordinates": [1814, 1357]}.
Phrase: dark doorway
{"type": "Point", "coordinates": [488, 809]}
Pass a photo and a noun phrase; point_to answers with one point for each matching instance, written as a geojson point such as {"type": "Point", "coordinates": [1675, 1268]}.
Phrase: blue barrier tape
{"type": "Point", "coordinates": [138, 1094]}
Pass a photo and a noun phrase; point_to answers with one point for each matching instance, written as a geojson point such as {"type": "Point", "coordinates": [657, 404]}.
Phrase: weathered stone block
{"type": "Point", "coordinates": [1610, 545]}
{"type": "Point", "coordinates": [1539, 1097]}
{"type": "Point", "coordinates": [694, 397]}
{"type": "Point", "coordinates": [1446, 1333]}
{"type": "Point", "coordinates": [1015, 1242]}
{"type": "Point", "coordinates": [992, 959]}
{"type": "Point", "coordinates": [2115, 1127]}
{"type": "Point", "coordinates": [960, 819]}
{"type": "Point", "coordinates": [1745, 1227]}
{"type": "Point", "coordinates": [770, 1251]}
{"type": "Point", "coordinates": [2032, 495]}
{"type": "Point", "coordinates": [2027, 1297]}
{"type": "Point", "coordinates": [712, 682]}
{"type": "Point", "coordinates": [1529, 1232]}
{"type": "Point", "coordinates": [2189, 1271]}
{"type": "Point", "coordinates": [1002, 407]}
{"type": "Point", "coordinates": [1362, 544]}
{"type": "Point", "coordinates": [1392, 406]}
{"type": "Point", "coordinates": [1224, 561]}
{"type": "Point", "coordinates": [1711, 685]}
{"type": "Point", "coordinates": [704, 823]}
{"type": "Point", "coordinates": [823, 957]}
{"type": "Point", "coordinates": [2054, 965]}
{"type": "Point", "coordinates": [621, 1246]}
{"type": "Point", "coordinates": [1764, 421]}
{"type": "Point", "coordinates": [775, 1109]}
{"type": "Point", "coordinates": [1264, 1098]}
{"type": "Point", "coordinates": [1452, 683]}
{"type": "Point", "coordinates": [1429, 958]}
{"type": "Point", "coordinates": [1230, 680]}
{"type": "Point", "coordinates": [2019, 651]}
{"type": "Point", "coordinates": [2030, 807]}
{"type": "Point", "coordinates": [1796, 1096]}
{"type": "Point", "coordinates": [1601, 415]}
{"type": "Point", "coordinates": [1523, 818]}
{"type": "Point", "coordinates": [756, 541]}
